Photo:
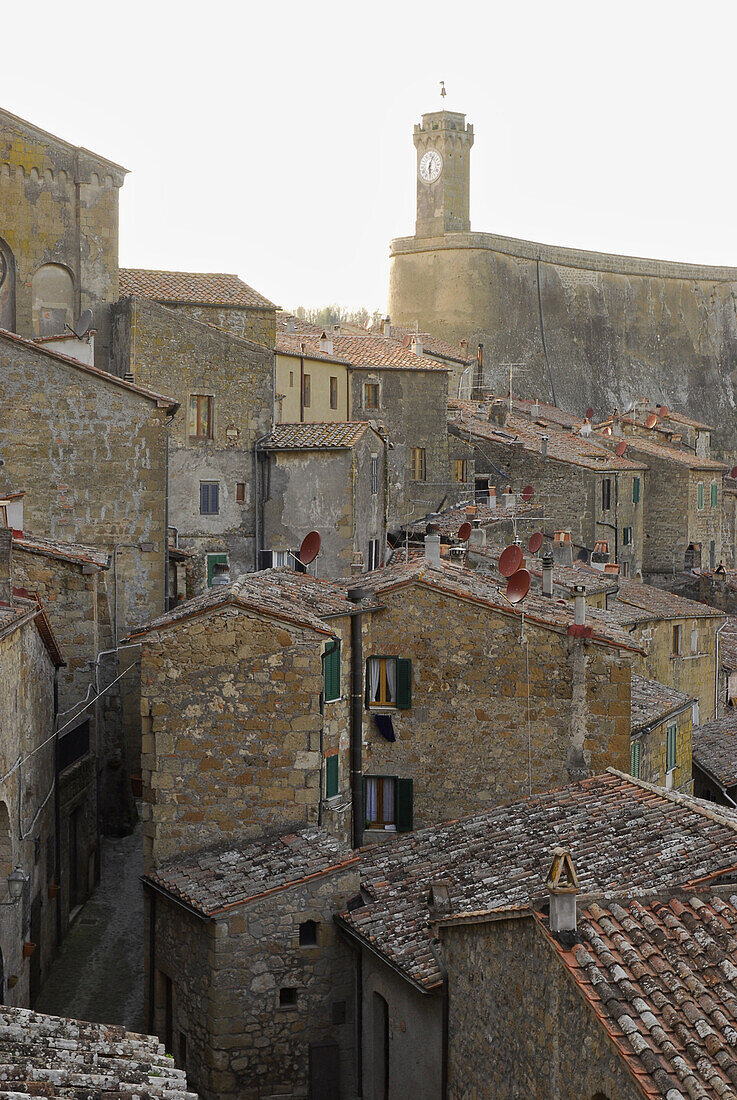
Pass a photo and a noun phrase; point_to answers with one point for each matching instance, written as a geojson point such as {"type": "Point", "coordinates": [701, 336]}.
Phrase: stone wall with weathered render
{"type": "Point", "coordinates": [616, 328]}
{"type": "Point", "coordinates": [693, 670]}
{"type": "Point", "coordinates": [254, 324]}
{"type": "Point", "coordinates": [654, 752]}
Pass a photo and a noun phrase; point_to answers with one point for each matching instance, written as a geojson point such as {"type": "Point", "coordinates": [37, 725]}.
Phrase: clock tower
{"type": "Point", "coordinates": [443, 142]}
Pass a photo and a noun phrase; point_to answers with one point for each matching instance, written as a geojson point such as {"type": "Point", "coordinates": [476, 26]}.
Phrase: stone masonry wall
{"type": "Point", "coordinates": [258, 325]}
{"type": "Point", "coordinates": [692, 673]}
{"type": "Point", "coordinates": [508, 993]}
{"type": "Point", "coordinates": [654, 758]}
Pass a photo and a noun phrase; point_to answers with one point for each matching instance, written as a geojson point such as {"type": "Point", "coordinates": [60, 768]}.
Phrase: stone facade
{"type": "Point", "coordinates": [693, 669]}
{"type": "Point", "coordinates": [327, 378]}
{"type": "Point", "coordinates": [653, 752]}
{"type": "Point", "coordinates": [257, 325]}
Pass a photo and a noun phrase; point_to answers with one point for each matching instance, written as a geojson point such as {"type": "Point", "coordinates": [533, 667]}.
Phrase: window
{"type": "Point", "coordinates": [676, 641]}
{"type": "Point", "coordinates": [374, 473]}
{"type": "Point", "coordinates": [212, 561]}
{"type": "Point", "coordinates": [419, 469]}
{"type": "Point", "coordinates": [371, 395]}
{"type": "Point", "coordinates": [714, 492]}
{"type": "Point", "coordinates": [460, 472]}
{"type": "Point", "coordinates": [695, 640]}
{"type": "Point", "coordinates": [671, 748]}
{"type": "Point", "coordinates": [291, 379]}
{"type": "Point", "coordinates": [635, 490]}
{"type": "Point", "coordinates": [373, 554]}
{"type": "Point", "coordinates": [307, 390]}
{"type": "Point", "coordinates": [209, 498]}
{"type": "Point", "coordinates": [308, 933]}
{"type": "Point", "coordinates": [635, 748]}
{"type": "Point", "coordinates": [240, 492]}
{"type": "Point", "coordinates": [388, 802]}
{"type": "Point", "coordinates": [627, 536]}
{"type": "Point", "coordinates": [288, 996]}
{"type": "Point", "coordinates": [333, 393]}
{"type": "Point", "coordinates": [700, 494]}
{"type": "Point", "coordinates": [200, 416]}
{"type": "Point", "coordinates": [331, 671]}
{"type": "Point", "coordinates": [389, 682]}
{"type": "Point", "coordinates": [331, 775]}
{"type": "Point", "coordinates": [625, 566]}
{"type": "Point", "coordinates": [606, 494]}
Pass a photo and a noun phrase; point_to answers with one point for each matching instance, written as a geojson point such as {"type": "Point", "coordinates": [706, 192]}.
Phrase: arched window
{"type": "Point", "coordinates": [7, 287]}
{"type": "Point", "coordinates": [53, 299]}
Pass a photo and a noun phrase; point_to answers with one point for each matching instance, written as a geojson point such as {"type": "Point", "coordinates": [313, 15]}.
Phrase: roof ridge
{"type": "Point", "coordinates": [677, 798]}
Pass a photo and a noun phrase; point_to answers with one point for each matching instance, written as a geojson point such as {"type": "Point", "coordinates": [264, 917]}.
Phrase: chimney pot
{"type": "Point", "coordinates": [548, 564]}
{"type": "Point", "coordinates": [563, 886]}
{"type": "Point", "coordinates": [562, 548]}
{"type": "Point", "coordinates": [579, 604]}
{"type": "Point", "coordinates": [432, 549]}
{"type": "Point", "coordinates": [544, 447]}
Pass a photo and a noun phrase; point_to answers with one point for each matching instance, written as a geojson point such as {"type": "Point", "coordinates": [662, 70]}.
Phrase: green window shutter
{"type": "Point", "coordinates": [404, 805]}
{"type": "Point", "coordinates": [672, 748]}
{"type": "Point", "coordinates": [404, 683]}
{"type": "Point", "coordinates": [700, 493]}
{"type": "Point", "coordinates": [635, 759]}
{"type": "Point", "coordinates": [331, 672]}
{"type": "Point", "coordinates": [636, 490]}
{"type": "Point", "coordinates": [713, 494]}
{"type": "Point", "coordinates": [212, 561]}
{"type": "Point", "coordinates": [331, 776]}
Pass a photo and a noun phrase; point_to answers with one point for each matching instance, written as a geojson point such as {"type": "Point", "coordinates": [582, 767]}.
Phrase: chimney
{"type": "Point", "coordinates": [478, 374]}
{"type": "Point", "coordinates": [337, 328]}
{"type": "Point", "coordinates": [563, 886]}
{"type": "Point", "coordinates": [477, 538]}
{"type": "Point", "coordinates": [544, 447]}
{"type": "Point", "coordinates": [535, 409]}
{"type": "Point", "coordinates": [326, 344]}
{"type": "Point", "coordinates": [492, 498]}
{"type": "Point", "coordinates": [585, 429]}
{"type": "Point", "coordinates": [417, 345]}
{"type": "Point", "coordinates": [432, 549]}
{"type": "Point", "coordinates": [617, 425]}
{"type": "Point", "coordinates": [600, 556]}
{"type": "Point", "coordinates": [508, 500]}
{"type": "Point", "coordinates": [291, 325]}
{"type": "Point", "coordinates": [548, 563]}
{"type": "Point", "coordinates": [579, 604]}
{"type": "Point", "coordinates": [562, 548]}
{"type": "Point", "coordinates": [498, 413]}
{"type": "Point", "coordinates": [438, 898]}
{"type": "Point", "coordinates": [6, 565]}
{"type": "Point", "coordinates": [386, 327]}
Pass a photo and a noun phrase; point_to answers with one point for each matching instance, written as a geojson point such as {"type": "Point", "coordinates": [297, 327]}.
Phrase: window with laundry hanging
{"type": "Point", "coordinates": [389, 682]}
{"type": "Point", "coordinates": [388, 802]}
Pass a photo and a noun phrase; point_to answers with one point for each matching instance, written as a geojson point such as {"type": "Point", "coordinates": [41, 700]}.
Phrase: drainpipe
{"type": "Point", "coordinates": [446, 1015]}
{"type": "Point", "coordinates": [355, 595]}
{"type": "Point", "coordinates": [716, 671]}
{"type": "Point", "coordinates": [258, 457]}
{"type": "Point", "coordinates": [151, 955]}
{"type": "Point", "coordinates": [301, 383]}
{"type": "Point", "coordinates": [166, 522]}
{"type": "Point", "coordinates": [57, 812]}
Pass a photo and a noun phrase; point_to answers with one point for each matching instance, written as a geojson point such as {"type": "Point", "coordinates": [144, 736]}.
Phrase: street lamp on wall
{"type": "Point", "coordinates": [16, 881]}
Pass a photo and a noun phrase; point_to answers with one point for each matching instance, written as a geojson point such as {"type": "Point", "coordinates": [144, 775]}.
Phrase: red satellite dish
{"type": "Point", "coordinates": [464, 531]}
{"type": "Point", "coordinates": [651, 421]}
{"type": "Point", "coordinates": [589, 412]}
{"type": "Point", "coordinates": [536, 542]}
{"type": "Point", "coordinates": [518, 586]}
{"type": "Point", "coordinates": [733, 472]}
{"type": "Point", "coordinates": [620, 449]}
{"type": "Point", "coordinates": [510, 560]}
{"type": "Point", "coordinates": [528, 493]}
{"type": "Point", "coordinates": [310, 547]}
{"type": "Point", "coordinates": [664, 410]}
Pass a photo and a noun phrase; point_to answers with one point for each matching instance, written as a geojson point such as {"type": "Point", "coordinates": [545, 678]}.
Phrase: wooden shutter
{"type": "Point", "coordinates": [331, 776]}
{"type": "Point", "coordinates": [700, 492]}
{"type": "Point", "coordinates": [331, 670]}
{"type": "Point", "coordinates": [713, 494]}
{"type": "Point", "coordinates": [404, 813]}
{"type": "Point", "coordinates": [212, 560]}
{"type": "Point", "coordinates": [635, 759]}
{"type": "Point", "coordinates": [404, 683]}
{"type": "Point", "coordinates": [671, 749]}
{"type": "Point", "coordinates": [636, 491]}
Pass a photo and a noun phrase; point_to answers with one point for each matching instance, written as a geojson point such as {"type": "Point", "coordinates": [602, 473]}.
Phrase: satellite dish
{"type": "Point", "coordinates": [536, 542]}
{"type": "Point", "coordinates": [651, 421]}
{"type": "Point", "coordinates": [582, 555]}
{"type": "Point", "coordinates": [510, 560]}
{"type": "Point", "coordinates": [589, 412]}
{"type": "Point", "coordinates": [620, 449]}
{"type": "Point", "coordinates": [84, 324]}
{"type": "Point", "coordinates": [464, 531]}
{"type": "Point", "coordinates": [518, 586]}
{"type": "Point", "coordinates": [310, 547]}
{"type": "Point", "coordinates": [528, 493]}
{"type": "Point", "coordinates": [733, 472]}
{"type": "Point", "coordinates": [664, 410]}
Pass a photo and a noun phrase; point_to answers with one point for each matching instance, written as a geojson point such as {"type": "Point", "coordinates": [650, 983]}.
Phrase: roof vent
{"type": "Point", "coordinates": [563, 886]}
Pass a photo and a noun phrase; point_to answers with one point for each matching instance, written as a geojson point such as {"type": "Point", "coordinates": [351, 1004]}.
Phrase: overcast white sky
{"type": "Point", "coordinates": [275, 140]}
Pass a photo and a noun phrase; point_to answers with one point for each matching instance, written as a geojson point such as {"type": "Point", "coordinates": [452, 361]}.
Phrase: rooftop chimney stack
{"type": "Point", "coordinates": [220, 574]}
{"type": "Point", "coordinates": [579, 604]}
{"type": "Point", "coordinates": [563, 886]}
{"type": "Point", "coordinates": [498, 413]}
{"type": "Point", "coordinates": [386, 327]}
{"type": "Point", "coordinates": [326, 344]}
{"type": "Point", "coordinates": [543, 447]}
{"type": "Point", "coordinates": [6, 565]}
{"type": "Point", "coordinates": [548, 563]}
{"type": "Point", "coordinates": [477, 538]}
{"type": "Point", "coordinates": [562, 548]}
{"type": "Point", "coordinates": [600, 556]}
{"type": "Point", "coordinates": [432, 549]}
{"type": "Point", "coordinates": [417, 345]}
{"type": "Point", "coordinates": [291, 325]}
{"type": "Point", "coordinates": [508, 500]}
{"type": "Point", "coordinates": [535, 409]}
{"type": "Point", "coordinates": [492, 498]}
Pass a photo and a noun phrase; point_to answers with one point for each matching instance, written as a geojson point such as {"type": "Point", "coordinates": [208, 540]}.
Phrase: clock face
{"type": "Point", "coordinates": [431, 165]}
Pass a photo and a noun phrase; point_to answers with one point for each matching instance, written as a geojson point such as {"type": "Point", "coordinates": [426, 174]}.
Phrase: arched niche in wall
{"type": "Point", "coordinates": [52, 299]}
{"type": "Point", "coordinates": [7, 287]}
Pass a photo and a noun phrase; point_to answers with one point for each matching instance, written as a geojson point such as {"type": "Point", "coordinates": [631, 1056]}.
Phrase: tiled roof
{"type": "Point", "coordinates": [623, 835]}
{"type": "Point", "coordinates": [191, 288]}
{"type": "Point", "coordinates": [595, 581]}
{"type": "Point", "coordinates": [715, 748]}
{"type": "Point", "coordinates": [225, 875]}
{"type": "Point", "coordinates": [359, 351]}
{"type": "Point", "coordinates": [27, 607]}
{"type": "Point", "coordinates": [432, 345]}
{"type": "Point", "coordinates": [661, 603]}
{"type": "Point", "coordinates": [294, 597]}
{"type": "Point", "coordinates": [451, 518]}
{"type": "Point", "coordinates": [469, 417]}
{"type": "Point", "coordinates": [662, 979]}
{"type": "Point", "coordinates": [642, 445]}
{"type": "Point", "coordinates": [50, 1056]}
{"type": "Point", "coordinates": [671, 416]}
{"type": "Point", "coordinates": [653, 702]}
{"type": "Point", "coordinates": [549, 413]}
{"type": "Point", "coordinates": [728, 645]}
{"type": "Point", "coordinates": [66, 551]}
{"type": "Point", "coordinates": [316, 437]}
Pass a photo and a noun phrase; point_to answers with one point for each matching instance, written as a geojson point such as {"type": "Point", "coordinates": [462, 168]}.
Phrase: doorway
{"type": "Point", "coordinates": [381, 1047]}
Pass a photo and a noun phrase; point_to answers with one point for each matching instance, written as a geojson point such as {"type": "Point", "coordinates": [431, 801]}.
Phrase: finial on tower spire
{"type": "Point", "coordinates": [443, 92]}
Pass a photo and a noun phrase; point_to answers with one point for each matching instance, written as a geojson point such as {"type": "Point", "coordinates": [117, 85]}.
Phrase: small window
{"type": "Point", "coordinates": [307, 391]}
{"type": "Point", "coordinates": [606, 494]}
{"type": "Point", "coordinates": [460, 471]}
{"type": "Point", "coordinates": [388, 802]}
{"type": "Point", "coordinates": [714, 494]}
{"type": "Point", "coordinates": [695, 640]}
{"type": "Point", "coordinates": [625, 566]}
{"type": "Point", "coordinates": [291, 379]}
{"type": "Point", "coordinates": [288, 996]}
{"type": "Point", "coordinates": [373, 554]}
{"type": "Point", "coordinates": [331, 775]}
{"type": "Point", "coordinates": [333, 393]}
{"type": "Point", "coordinates": [212, 561]}
{"type": "Point", "coordinates": [676, 641]}
{"type": "Point", "coordinates": [419, 468]}
{"type": "Point", "coordinates": [627, 536]}
{"type": "Point", "coordinates": [308, 933]}
{"type": "Point", "coordinates": [636, 490]}
{"type": "Point", "coordinates": [671, 748]}
{"type": "Point", "coordinates": [371, 395]}
{"type": "Point", "coordinates": [200, 416]}
{"type": "Point", "coordinates": [331, 671]}
{"type": "Point", "coordinates": [374, 473]}
{"type": "Point", "coordinates": [700, 494]}
{"type": "Point", "coordinates": [635, 748]}
{"type": "Point", "coordinates": [240, 492]}
{"type": "Point", "coordinates": [389, 682]}
{"type": "Point", "coordinates": [209, 498]}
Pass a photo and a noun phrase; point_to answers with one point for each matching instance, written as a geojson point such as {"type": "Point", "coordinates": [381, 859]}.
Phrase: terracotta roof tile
{"type": "Point", "coordinates": [322, 437]}
{"type": "Point", "coordinates": [661, 603]}
{"type": "Point", "coordinates": [367, 351]}
{"type": "Point", "coordinates": [66, 551]}
{"type": "Point", "coordinates": [639, 446]}
{"type": "Point", "coordinates": [449, 520]}
{"type": "Point", "coordinates": [653, 702]}
{"type": "Point", "coordinates": [191, 288]}
{"type": "Point", "coordinates": [728, 645]}
{"type": "Point", "coordinates": [715, 748]}
{"type": "Point", "coordinates": [431, 345]}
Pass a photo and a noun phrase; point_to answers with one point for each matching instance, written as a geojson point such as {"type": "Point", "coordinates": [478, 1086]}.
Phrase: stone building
{"type": "Point", "coordinates": [579, 485]}
{"type": "Point", "coordinates": [224, 385]}
{"type": "Point", "coordinates": [715, 760]}
{"type": "Point", "coordinates": [456, 357]}
{"type": "Point", "coordinates": [661, 745]}
{"type": "Point", "coordinates": [58, 233]}
{"type": "Point", "coordinates": [330, 478]}
{"type": "Point", "coordinates": [30, 928]}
